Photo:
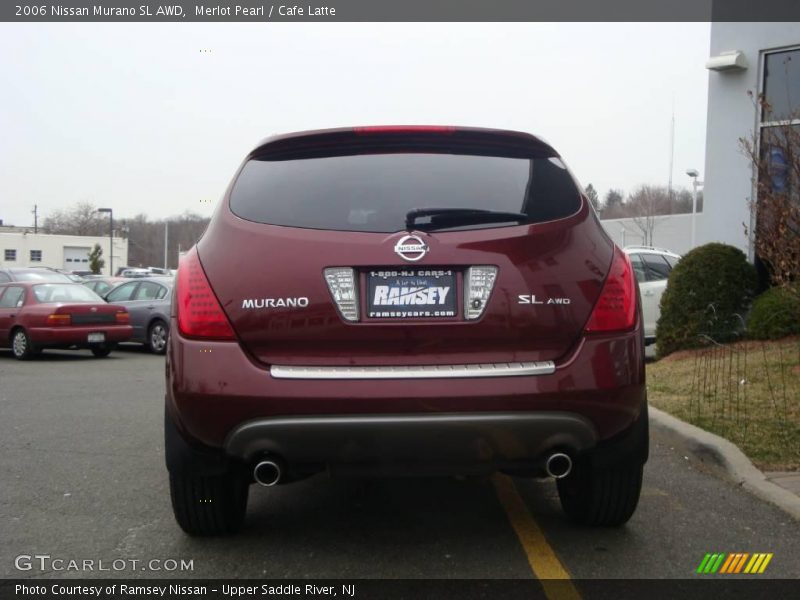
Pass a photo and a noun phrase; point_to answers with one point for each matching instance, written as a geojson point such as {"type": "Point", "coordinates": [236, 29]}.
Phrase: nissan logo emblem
{"type": "Point", "coordinates": [411, 248]}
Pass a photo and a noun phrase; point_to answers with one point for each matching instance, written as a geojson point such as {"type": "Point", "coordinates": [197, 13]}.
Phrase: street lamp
{"type": "Point", "coordinates": [111, 239]}
{"type": "Point", "coordinates": [696, 183]}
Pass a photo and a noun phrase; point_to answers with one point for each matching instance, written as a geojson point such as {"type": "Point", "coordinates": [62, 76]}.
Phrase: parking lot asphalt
{"type": "Point", "coordinates": [82, 477]}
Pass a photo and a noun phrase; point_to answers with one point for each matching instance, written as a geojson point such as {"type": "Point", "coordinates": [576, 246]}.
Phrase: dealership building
{"type": "Point", "coordinates": [760, 58]}
{"type": "Point", "coordinates": [21, 247]}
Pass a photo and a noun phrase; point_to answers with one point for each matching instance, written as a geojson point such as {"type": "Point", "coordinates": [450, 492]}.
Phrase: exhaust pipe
{"type": "Point", "coordinates": [558, 465]}
{"type": "Point", "coordinates": [267, 473]}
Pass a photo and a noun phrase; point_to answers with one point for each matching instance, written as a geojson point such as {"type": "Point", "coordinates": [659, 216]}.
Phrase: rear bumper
{"type": "Point", "coordinates": [77, 336]}
{"type": "Point", "coordinates": [214, 389]}
{"type": "Point", "coordinates": [496, 438]}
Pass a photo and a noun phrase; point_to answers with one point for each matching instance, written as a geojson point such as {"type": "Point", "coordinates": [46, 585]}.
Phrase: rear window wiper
{"type": "Point", "coordinates": [453, 217]}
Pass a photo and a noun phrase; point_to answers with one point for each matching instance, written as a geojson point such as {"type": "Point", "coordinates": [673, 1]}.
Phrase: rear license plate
{"type": "Point", "coordinates": [96, 337]}
{"type": "Point", "coordinates": [411, 293]}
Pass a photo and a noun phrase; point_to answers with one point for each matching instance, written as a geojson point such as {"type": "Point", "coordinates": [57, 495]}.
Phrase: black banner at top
{"type": "Point", "coordinates": [398, 10]}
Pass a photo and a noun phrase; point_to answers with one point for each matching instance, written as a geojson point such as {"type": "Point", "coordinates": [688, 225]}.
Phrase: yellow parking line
{"type": "Point", "coordinates": [541, 557]}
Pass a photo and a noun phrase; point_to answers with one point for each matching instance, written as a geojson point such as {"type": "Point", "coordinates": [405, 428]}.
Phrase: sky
{"type": "Point", "coordinates": [155, 118]}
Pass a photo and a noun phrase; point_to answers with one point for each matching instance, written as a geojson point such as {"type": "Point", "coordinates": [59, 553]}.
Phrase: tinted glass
{"type": "Point", "coordinates": [122, 293]}
{"type": "Point", "coordinates": [40, 275]}
{"type": "Point", "coordinates": [101, 288]}
{"type": "Point", "coordinates": [4, 277]}
{"type": "Point", "coordinates": [671, 260]}
{"type": "Point", "coordinates": [54, 292]}
{"type": "Point", "coordinates": [782, 84]}
{"type": "Point", "coordinates": [657, 267]}
{"type": "Point", "coordinates": [12, 297]}
{"type": "Point", "coordinates": [373, 192]}
{"type": "Point", "coordinates": [638, 268]}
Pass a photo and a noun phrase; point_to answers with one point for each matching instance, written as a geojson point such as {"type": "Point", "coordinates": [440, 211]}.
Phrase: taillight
{"type": "Point", "coordinates": [59, 320]}
{"type": "Point", "coordinates": [615, 309]}
{"type": "Point", "coordinates": [478, 285]}
{"type": "Point", "coordinates": [122, 317]}
{"type": "Point", "coordinates": [199, 312]}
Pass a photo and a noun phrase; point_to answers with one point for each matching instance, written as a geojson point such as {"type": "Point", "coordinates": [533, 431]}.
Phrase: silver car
{"type": "Point", "coordinates": [148, 300]}
{"type": "Point", "coordinates": [652, 267]}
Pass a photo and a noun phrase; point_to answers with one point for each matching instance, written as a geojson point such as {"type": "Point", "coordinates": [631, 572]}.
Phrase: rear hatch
{"type": "Point", "coordinates": [374, 246]}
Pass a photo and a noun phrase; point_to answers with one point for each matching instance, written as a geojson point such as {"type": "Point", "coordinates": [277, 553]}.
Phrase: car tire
{"type": "Point", "coordinates": [605, 496]}
{"type": "Point", "coordinates": [21, 345]}
{"type": "Point", "coordinates": [209, 505]}
{"type": "Point", "coordinates": [157, 336]}
{"type": "Point", "coordinates": [102, 350]}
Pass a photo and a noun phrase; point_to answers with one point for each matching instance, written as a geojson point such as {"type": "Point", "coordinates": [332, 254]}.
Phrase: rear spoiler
{"type": "Point", "coordinates": [402, 138]}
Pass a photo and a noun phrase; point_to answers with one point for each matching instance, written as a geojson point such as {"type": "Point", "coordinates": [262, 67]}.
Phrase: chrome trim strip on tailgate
{"type": "Point", "coordinates": [422, 372]}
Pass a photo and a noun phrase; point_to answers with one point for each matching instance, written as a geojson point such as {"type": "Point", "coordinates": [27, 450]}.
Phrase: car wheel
{"type": "Point", "coordinates": [157, 337]}
{"type": "Point", "coordinates": [601, 496]}
{"type": "Point", "coordinates": [21, 345]}
{"type": "Point", "coordinates": [102, 351]}
{"type": "Point", "coordinates": [209, 505]}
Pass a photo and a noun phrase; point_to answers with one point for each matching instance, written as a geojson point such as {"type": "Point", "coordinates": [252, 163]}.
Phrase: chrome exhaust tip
{"type": "Point", "coordinates": [267, 473]}
{"type": "Point", "coordinates": [558, 465]}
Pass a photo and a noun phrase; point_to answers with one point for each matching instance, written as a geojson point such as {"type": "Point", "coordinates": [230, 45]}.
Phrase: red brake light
{"type": "Point", "coordinates": [199, 312]}
{"type": "Point", "coordinates": [404, 129]}
{"type": "Point", "coordinates": [59, 320]}
{"type": "Point", "coordinates": [122, 317]}
{"type": "Point", "coordinates": [615, 309]}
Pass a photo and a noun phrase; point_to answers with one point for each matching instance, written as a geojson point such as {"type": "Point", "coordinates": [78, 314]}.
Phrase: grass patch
{"type": "Point", "coordinates": [747, 392]}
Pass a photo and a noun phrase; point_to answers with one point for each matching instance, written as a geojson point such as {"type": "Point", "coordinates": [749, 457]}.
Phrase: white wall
{"type": "Point", "coordinates": [732, 115]}
{"type": "Point", "coordinates": [52, 247]}
{"type": "Point", "coordinates": [672, 232]}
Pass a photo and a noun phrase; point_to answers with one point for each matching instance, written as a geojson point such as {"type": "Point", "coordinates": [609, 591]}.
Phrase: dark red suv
{"type": "Point", "coordinates": [410, 301]}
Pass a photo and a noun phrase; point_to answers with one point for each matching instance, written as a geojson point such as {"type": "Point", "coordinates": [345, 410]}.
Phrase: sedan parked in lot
{"type": "Point", "coordinates": [34, 316]}
{"type": "Point", "coordinates": [404, 301]}
{"type": "Point", "coordinates": [148, 301]}
{"type": "Point", "coordinates": [652, 267]}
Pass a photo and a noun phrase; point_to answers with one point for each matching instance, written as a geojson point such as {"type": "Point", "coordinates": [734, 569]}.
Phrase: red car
{"type": "Point", "coordinates": [34, 316]}
{"type": "Point", "coordinates": [404, 301]}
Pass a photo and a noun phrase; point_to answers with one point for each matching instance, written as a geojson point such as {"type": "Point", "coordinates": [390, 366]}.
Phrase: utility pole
{"type": "Point", "coordinates": [35, 212]}
{"type": "Point", "coordinates": [166, 242]}
{"type": "Point", "coordinates": [671, 156]}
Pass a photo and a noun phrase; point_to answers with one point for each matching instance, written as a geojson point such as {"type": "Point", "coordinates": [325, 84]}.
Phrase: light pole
{"type": "Point", "coordinates": [694, 174]}
{"type": "Point", "coordinates": [111, 239]}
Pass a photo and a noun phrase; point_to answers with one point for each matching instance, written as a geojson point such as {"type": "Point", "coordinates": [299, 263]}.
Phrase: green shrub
{"type": "Point", "coordinates": [775, 314]}
{"type": "Point", "coordinates": [707, 291]}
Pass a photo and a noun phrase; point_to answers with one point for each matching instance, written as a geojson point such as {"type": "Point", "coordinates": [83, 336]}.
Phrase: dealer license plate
{"type": "Point", "coordinates": [411, 293]}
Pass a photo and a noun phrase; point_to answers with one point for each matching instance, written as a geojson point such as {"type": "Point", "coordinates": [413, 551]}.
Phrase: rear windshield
{"type": "Point", "coordinates": [40, 275]}
{"type": "Point", "coordinates": [374, 192]}
{"type": "Point", "coordinates": [74, 292]}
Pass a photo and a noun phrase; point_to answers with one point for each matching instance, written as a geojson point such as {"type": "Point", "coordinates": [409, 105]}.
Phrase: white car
{"type": "Point", "coordinates": [652, 267]}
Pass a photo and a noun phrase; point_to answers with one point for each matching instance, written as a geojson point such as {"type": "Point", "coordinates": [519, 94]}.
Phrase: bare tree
{"type": "Point", "coordinates": [644, 204]}
{"type": "Point", "coordinates": [81, 219]}
{"type": "Point", "coordinates": [776, 209]}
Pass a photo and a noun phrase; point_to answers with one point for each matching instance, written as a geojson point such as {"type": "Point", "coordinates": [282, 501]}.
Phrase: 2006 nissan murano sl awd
{"type": "Point", "coordinates": [409, 300]}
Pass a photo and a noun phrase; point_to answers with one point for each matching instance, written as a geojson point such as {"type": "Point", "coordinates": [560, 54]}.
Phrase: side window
{"type": "Point", "coordinates": [147, 291]}
{"type": "Point", "coordinates": [657, 268]}
{"type": "Point", "coordinates": [4, 277]}
{"type": "Point", "coordinates": [13, 297]}
{"type": "Point", "coordinates": [671, 260]}
{"type": "Point", "coordinates": [123, 292]}
{"type": "Point", "coordinates": [638, 268]}
{"type": "Point", "coordinates": [101, 287]}
{"type": "Point", "coordinates": [161, 293]}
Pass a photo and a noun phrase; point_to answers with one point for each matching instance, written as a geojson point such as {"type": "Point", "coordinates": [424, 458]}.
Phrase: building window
{"type": "Point", "coordinates": [10, 254]}
{"type": "Point", "coordinates": [782, 85]}
{"type": "Point", "coordinates": [36, 256]}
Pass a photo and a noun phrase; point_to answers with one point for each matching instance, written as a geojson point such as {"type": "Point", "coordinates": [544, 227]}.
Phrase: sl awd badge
{"type": "Point", "coordinates": [411, 248]}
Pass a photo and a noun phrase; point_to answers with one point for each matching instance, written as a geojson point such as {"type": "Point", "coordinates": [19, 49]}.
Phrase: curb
{"type": "Point", "coordinates": [731, 459]}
